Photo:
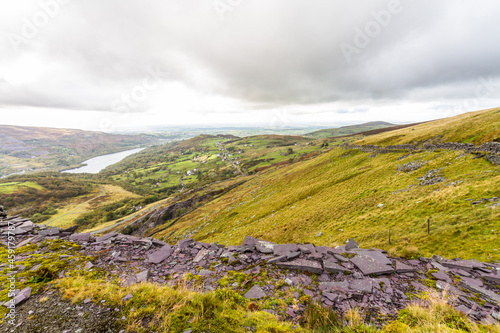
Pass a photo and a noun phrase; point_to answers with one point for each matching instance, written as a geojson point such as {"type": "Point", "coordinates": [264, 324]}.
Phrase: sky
{"type": "Point", "coordinates": [128, 64]}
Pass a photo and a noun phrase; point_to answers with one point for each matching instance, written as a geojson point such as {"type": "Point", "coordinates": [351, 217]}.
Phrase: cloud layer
{"type": "Point", "coordinates": [174, 58]}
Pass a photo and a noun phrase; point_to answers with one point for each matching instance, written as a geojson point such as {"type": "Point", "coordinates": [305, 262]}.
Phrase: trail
{"type": "Point", "coordinates": [77, 208]}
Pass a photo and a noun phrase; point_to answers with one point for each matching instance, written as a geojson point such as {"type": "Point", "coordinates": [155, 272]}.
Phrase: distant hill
{"type": "Point", "coordinates": [347, 130]}
{"type": "Point", "coordinates": [25, 148]}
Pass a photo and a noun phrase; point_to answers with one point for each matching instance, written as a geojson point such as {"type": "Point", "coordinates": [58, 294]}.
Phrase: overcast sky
{"type": "Point", "coordinates": [114, 64]}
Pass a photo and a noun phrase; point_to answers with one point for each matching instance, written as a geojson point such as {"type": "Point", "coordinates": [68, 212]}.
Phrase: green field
{"type": "Point", "coordinates": [12, 187]}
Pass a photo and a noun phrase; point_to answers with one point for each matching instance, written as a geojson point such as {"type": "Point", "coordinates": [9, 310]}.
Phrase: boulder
{"type": "Point", "coordinates": [255, 292]}
{"type": "Point", "coordinates": [351, 244]}
{"type": "Point", "coordinates": [80, 237]}
{"type": "Point", "coordinates": [160, 255]}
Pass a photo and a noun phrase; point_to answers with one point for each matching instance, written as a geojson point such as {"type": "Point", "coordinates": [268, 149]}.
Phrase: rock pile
{"type": "Point", "coordinates": [341, 278]}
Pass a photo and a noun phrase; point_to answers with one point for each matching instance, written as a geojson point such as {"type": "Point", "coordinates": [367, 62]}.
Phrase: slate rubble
{"type": "Point", "coordinates": [339, 278]}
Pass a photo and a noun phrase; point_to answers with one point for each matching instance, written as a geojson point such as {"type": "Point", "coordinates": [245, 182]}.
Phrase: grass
{"type": "Point", "coordinates": [12, 187]}
{"type": "Point", "coordinates": [473, 127]}
{"type": "Point", "coordinates": [67, 214]}
{"type": "Point", "coordinates": [338, 193]}
{"type": "Point", "coordinates": [160, 308]}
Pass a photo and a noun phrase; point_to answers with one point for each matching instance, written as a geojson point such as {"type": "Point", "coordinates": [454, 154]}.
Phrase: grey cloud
{"type": "Point", "coordinates": [263, 53]}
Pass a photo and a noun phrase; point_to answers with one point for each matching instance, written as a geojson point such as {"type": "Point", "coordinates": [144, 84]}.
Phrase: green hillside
{"type": "Point", "coordinates": [348, 130]}
{"type": "Point", "coordinates": [472, 127]}
{"type": "Point", "coordinates": [348, 193]}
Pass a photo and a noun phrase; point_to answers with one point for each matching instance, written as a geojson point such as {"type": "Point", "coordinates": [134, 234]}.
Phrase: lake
{"type": "Point", "coordinates": [96, 164]}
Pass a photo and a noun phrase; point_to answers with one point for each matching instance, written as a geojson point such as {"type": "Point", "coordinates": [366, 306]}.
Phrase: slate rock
{"type": "Point", "coordinates": [485, 294]}
{"type": "Point", "coordinates": [492, 278]}
{"type": "Point", "coordinates": [160, 255]}
{"type": "Point", "coordinates": [351, 244]}
{"type": "Point", "coordinates": [284, 249]}
{"type": "Point", "coordinates": [463, 264]}
{"type": "Point", "coordinates": [442, 285]}
{"type": "Point", "coordinates": [442, 276]}
{"type": "Point", "coordinates": [369, 265]}
{"type": "Point", "coordinates": [330, 296]}
{"type": "Point", "coordinates": [19, 298]}
{"type": "Point", "coordinates": [255, 292]}
{"type": "Point", "coordinates": [362, 286]}
{"type": "Point", "coordinates": [403, 268]}
{"type": "Point", "coordinates": [264, 247]}
{"type": "Point", "coordinates": [184, 243]}
{"type": "Point", "coordinates": [200, 256]}
{"type": "Point", "coordinates": [249, 241]}
{"type": "Point", "coordinates": [302, 265]}
{"type": "Point", "coordinates": [334, 285]}
{"type": "Point", "coordinates": [293, 255]}
{"type": "Point", "coordinates": [277, 259]}
{"type": "Point", "coordinates": [127, 298]}
{"type": "Point", "coordinates": [331, 267]}
{"type": "Point", "coordinates": [85, 237]}
{"type": "Point", "coordinates": [307, 248]}
{"type": "Point", "coordinates": [143, 276]}
{"type": "Point", "coordinates": [49, 232]}
{"type": "Point", "coordinates": [89, 265]}
{"type": "Point", "coordinates": [106, 237]}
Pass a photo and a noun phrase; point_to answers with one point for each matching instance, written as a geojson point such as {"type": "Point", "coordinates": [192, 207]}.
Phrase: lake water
{"type": "Point", "coordinates": [96, 164]}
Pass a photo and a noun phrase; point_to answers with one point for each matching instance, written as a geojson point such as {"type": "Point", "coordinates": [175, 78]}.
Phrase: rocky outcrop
{"type": "Point", "coordinates": [340, 277]}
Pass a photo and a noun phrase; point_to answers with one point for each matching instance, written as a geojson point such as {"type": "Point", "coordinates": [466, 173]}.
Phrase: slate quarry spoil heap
{"type": "Point", "coordinates": [339, 278]}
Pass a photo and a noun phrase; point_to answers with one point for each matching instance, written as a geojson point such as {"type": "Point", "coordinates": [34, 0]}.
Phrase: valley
{"type": "Point", "coordinates": [415, 193]}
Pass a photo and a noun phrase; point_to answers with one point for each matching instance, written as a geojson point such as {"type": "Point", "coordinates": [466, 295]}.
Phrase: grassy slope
{"type": "Point", "coordinates": [337, 194]}
{"type": "Point", "coordinates": [474, 127]}
{"type": "Point", "coordinates": [347, 130]}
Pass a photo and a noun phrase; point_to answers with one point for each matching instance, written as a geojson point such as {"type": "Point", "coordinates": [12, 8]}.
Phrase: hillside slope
{"type": "Point", "coordinates": [24, 148]}
{"type": "Point", "coordinates": [472, 127]}
{"type": "Point", "coordinates": [351, 193]}
{"type": "Point", "coordinates": [347, 130]}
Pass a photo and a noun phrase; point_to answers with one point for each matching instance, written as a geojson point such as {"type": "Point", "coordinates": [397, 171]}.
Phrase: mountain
{"type": "Point", "coordinates": [362, 191]}
{"type": "Point", "coordinates": [27, 148]}
{"type": "Point", "coordinates": [348, 130]}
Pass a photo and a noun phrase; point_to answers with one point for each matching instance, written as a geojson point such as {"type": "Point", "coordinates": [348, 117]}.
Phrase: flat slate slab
{"type": "Point", "coordinates": [368, 265]}
{"type": "Point", "coordinates": [285, 249]}
{"type": "Point", "coordinates": [331, 267]}
{"type": "Point", "coordinates": [142, 276]}
{"type": "Point", "coordinates": [302, 265]}
{"type": "Point", "coordinates": [160, 255]}
{"type": "Point", "coordinates": [19, 298]}
{"type": "Point", "coordinates": [404, 268]}
{"type": "Point", "coordinates": [492, 278]}
{"type": "Point", "coordinates": [463, 264]}
{"type": "Point", "coordinates": [485, 294]}
{"type": "Point", "coordinates": [264, 247]}
{"type": "Point", "coordinates": [334, 285]}
{"type": "Point", "coordinates": [255, 292]}
{"type": "Point", "coordinates": [362, 286]}
{"type": "Point", "coordinates": [80, 237]}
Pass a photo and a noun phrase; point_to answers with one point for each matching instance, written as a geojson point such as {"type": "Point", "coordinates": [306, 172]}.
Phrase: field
{"type": "Point", "coordinates": [348, 130]}
{"type": "Point", "coordinates": [12, 187]}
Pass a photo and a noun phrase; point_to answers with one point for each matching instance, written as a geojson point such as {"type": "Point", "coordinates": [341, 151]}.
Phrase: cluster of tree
{"type": "Point", "coordinates": [40, 204]}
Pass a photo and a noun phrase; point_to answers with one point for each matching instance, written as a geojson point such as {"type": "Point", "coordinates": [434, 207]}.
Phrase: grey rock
{"type": "Point", "coordinates": [492, 278]}
{"type": "Point", "coordinates": [89, 265]}
{"type": "Point", "coordinates": [442, 276]}
{"type": "Point", "coordinates": [442, 285]}
{"type": "Point", "coordinates": [49, 232]}
{"type": "Point", "coordinates": [143, 276]}
{"type": "Point", "coordinates": [293, 255]}
{"type": "Point", "coordinates": [250, 241]}
{"type": "Point", "coordinates": [334, 285]}
{"type": "Point", "coordinates": [19, 298]}
{"type": "Point", "coordinates": [184, 243]}
{"type": "Point", "coordinates": [331, 267]}
{"type": "Point", "coordinates": [264, 247]}
{"type": "Point", "coordinates": [351, 244]}
{"type": "Point", "coordinates": [127, 298]}
{"type": "Point", "coordinates": [485, 294]}
{"type": "Point", "coordinates": [362, 286]}
{"type": "Point", "coordinates": [369, 265]}
{"type": "Point", "coordinates": [160, 255]}
{"type": "Point", "coordinates": [302, 265]}
{"type": "Point", "coordinates": [404, 268]}
{"type": "Point", "coordinates": [80, 237]}
{"type": "Point", "coordinates": [306, 248]}
{"type": "Point", "coordinates": [200, 256]}
{"type": "Point", "coordinates": [285, 249]}
{"type": "Point", "coordinates": [277, 259]}
{"type": "Point", "coordinates": [255, 292]}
